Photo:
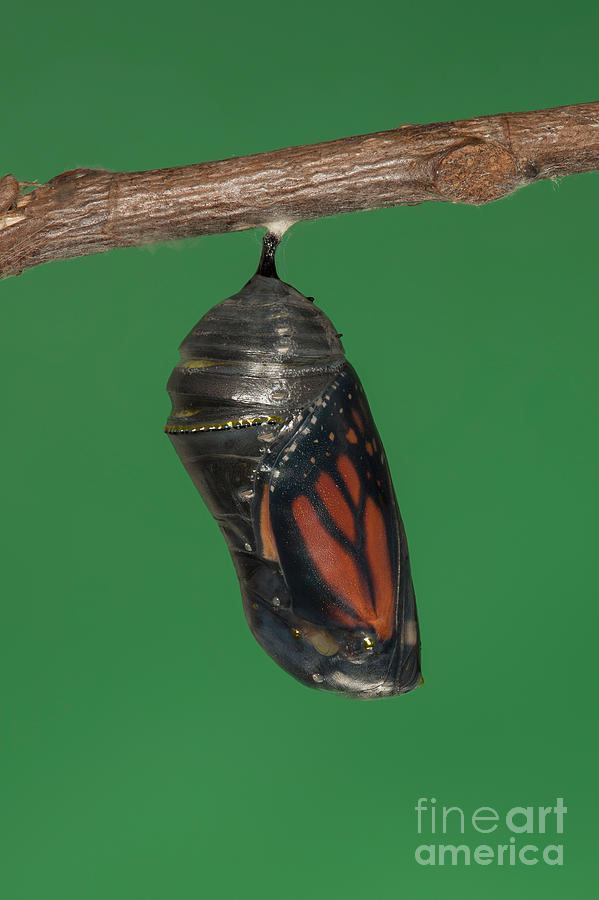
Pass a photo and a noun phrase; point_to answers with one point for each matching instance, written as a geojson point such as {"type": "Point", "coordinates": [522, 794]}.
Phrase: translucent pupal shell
{"type": "Point", "coordinates": [273, 426]}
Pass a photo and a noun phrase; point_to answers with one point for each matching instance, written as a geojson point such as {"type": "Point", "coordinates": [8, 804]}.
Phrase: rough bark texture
{"type": "Point", "coordinates": [469, 161]}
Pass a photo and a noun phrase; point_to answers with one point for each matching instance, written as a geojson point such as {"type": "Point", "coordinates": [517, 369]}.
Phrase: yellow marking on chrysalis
{"type": "Point", "coordinates": [368, 643]}
{"type": "Point", "coordinates": [218, 426]}
{"type": "Point", "coordinates": [421, 682]}
{"type": "Point", "coordinates": [181, 413]}
{"type": "Point", "coordinates": [296, 633]}
{"type": "Point", "coordinates": [201, 363]}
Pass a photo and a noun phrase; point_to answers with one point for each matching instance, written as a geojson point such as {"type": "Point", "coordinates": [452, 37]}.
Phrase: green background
{"type": "Point", "coordinates": [150, 748]}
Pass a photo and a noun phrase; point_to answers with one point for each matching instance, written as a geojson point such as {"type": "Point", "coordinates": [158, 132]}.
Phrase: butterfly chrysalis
{"type": "Point", "coordinates": [273, 426]}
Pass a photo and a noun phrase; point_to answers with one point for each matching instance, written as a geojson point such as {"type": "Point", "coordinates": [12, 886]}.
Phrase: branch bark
{"type": "Point", "coordinates": [469, 161]}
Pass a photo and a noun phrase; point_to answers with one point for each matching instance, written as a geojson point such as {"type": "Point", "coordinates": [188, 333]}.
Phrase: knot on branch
{"type": "Point", "coordinates": [476, 172]}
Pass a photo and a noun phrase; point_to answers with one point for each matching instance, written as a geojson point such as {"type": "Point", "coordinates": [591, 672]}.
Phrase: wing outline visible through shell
{"type": "Point", "coordinates": [327, 514]}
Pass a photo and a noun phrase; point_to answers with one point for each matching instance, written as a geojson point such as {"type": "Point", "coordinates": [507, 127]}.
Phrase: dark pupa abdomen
{"type": "Point", "coordinates": [273, 426]}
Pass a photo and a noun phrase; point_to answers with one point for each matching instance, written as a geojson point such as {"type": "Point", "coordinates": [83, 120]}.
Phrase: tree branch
{"type": "Point", "coordinates": [469, 161]}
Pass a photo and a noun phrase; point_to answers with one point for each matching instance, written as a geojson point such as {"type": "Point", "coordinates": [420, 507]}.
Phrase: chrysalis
{"type": "Point", "coordinates": [272, 424]}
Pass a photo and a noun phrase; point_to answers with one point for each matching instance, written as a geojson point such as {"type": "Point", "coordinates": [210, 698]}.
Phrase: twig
{"type": "Point", "coordinates": [469, 161]}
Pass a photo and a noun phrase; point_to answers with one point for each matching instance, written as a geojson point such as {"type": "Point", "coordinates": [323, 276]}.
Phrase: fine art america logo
{"type": "Point", "coordinates": [525, 835]}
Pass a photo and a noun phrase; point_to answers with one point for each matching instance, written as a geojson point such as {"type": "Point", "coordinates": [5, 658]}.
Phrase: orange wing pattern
{"type": "Point", "coordinates": [328, 514]}
{"type": "Point", "coordinates": [372, 599]}
{"type": "Point", "coordinates": [267, 538]}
